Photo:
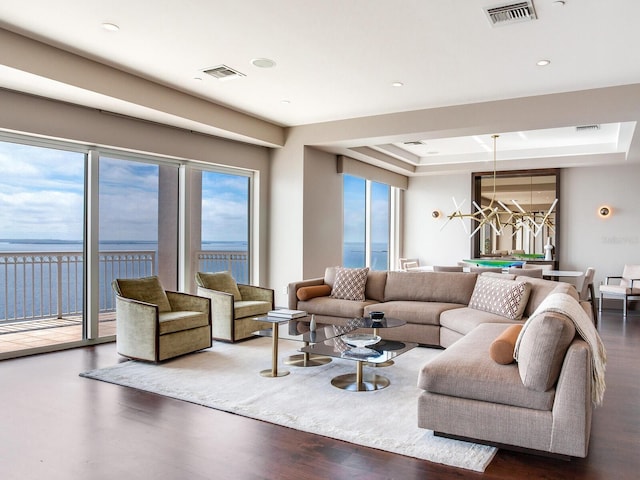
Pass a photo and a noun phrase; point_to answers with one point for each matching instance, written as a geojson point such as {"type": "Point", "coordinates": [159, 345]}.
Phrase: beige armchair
{"type": "Point", "coordinates": [155, 325]}
{"type": "Point", "coordinates": [233, 306]}
{"type": "Point", "coordinates": [628, 286]}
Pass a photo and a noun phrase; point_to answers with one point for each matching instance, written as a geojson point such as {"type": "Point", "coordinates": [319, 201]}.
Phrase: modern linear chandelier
{"type": "Point", "coordinates": [498, 216]}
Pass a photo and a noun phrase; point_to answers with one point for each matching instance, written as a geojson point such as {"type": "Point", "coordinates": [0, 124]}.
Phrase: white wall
{"type": "Point", "coordinates": [424, 237]}
{"type": "Point", "coordinates": [586, 239]}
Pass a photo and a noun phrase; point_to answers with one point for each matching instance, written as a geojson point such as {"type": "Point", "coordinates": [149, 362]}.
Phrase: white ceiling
{"type": "Point", "coordinates": [337, 60]}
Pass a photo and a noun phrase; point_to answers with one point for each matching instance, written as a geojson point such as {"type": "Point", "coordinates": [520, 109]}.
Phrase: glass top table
{"type": "Point", "coordinates": [379, 353]}
{"type": "Point", "coordinates": [298, 329]}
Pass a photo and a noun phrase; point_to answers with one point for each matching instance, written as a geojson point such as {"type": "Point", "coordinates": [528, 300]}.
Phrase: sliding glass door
{"type": "Point", "coordinates": [41, 245]}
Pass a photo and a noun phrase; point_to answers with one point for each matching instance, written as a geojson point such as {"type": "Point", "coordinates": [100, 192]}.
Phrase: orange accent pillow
{"type": "Point", "coordinates": [501, 349]}
{"type": "Point", "coordinates": [307, 293]}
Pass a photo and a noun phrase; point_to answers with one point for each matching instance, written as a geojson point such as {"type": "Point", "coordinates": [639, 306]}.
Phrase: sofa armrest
{"type": "Point", "coordinates": [294, 286]}
{"type": "Point", "coordinates": [187, 302]}
{"type": "Point", "coordinates": [572, 407]}
{"type": "Point", "coordinates": [255, 293]}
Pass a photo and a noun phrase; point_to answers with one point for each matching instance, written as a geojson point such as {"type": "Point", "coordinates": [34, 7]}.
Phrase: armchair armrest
{"type": "Point", "coordinates": [186, 302]}
{"type": "Point", "coordinates": [294, 286]}
{"type": "Point", "coordinates": [606, 280]}
{"type": "Point", "coordinates": [222, 313]}
{"type": "Point", "coordinates": [252, 292]}
{"type": "Point", "coordinates": [137, 325]}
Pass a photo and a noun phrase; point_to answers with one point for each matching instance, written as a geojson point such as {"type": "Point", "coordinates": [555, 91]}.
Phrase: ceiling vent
{"type": "Point", "coordinates": [587, 128]}
{"type": "Point", "coordinates": [415, 142]}
{"type": "Point", "coordinates": [509, 13]}
{"type": "Point", "coordinates": [223, 73]}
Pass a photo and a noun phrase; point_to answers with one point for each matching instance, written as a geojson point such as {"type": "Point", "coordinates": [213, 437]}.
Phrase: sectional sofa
{"type": "Point", "coordinates": [542, 403]}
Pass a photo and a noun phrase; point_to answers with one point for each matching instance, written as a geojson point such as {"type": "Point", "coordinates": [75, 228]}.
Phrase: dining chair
{"type": "Point", "coordinates": [586, 291]}
{"type": "Point", "coordinates": [628, 287]}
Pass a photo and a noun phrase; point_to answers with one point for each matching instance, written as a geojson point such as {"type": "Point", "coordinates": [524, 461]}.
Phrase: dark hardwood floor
{"type": "Point", "coordinates": [57, 425]}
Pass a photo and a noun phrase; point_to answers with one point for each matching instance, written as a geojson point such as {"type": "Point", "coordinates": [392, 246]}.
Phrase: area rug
{"type": "Point", "coordinates": [226, 377]}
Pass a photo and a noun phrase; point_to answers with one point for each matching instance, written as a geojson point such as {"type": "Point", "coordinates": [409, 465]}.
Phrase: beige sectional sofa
{"type": "Point", "coordinates": [465, 393]}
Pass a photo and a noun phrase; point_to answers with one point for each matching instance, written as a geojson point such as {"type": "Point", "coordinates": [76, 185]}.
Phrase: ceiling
{"type": "Point", "coordinates": [337, 60]}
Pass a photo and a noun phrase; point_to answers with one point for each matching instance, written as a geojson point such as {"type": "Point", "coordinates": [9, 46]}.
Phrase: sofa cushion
{"type": "Point", "coordinates": [541, 288]}
{"type": "Point", "coordinates": [219, 281]}
{"type": "Point", "coordinates": [145, 289]}
{"type": "Point", "coordinates": [543, 343]}
{"type": "Point", "coordinates": [313, 291]}
{"type": "Point", "coordinates": [376, 281]}
{"type": "Point", "coordinates": [463, 320]}
{"type": "Point", "coordinates": [350, 283]}
{"type": "Point", "coordinates": [421, 313]}
{"type": "Point", "coordinates": [501, 349]}
{"type": "Point", "coordinates": [503, 297]}
{"type": "Point", "coordinates": [445, 287]}
{"type": "Point", "coordinates": [334, 307]}
{"type": "Point", "coordinates": [465, 370]}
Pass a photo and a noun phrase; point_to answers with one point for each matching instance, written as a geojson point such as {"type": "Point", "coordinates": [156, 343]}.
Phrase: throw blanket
{"type": "Point", "coordinates": [567, 305]}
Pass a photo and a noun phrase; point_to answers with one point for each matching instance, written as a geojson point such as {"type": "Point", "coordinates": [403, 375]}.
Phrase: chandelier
{"type": "Point", "coordinates": [499, 216]}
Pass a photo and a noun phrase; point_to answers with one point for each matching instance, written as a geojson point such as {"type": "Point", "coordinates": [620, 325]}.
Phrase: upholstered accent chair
{"type": "Point", "coordinates": [234, 305]}
{"type": "Point", "coordinates": [586, 291]}
{"type": "Point", "coordinates": [628, 286]}
{"type": "Point", "coordinates": [154, 325]}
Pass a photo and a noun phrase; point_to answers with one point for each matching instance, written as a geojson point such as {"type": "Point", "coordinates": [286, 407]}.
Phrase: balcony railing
{"type": "Point", "coordinates": [35, 285]}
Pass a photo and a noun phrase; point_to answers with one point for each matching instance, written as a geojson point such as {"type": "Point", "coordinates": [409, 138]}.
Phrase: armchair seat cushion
{"type": "Point", "coordinates": [171, 322]}
{"type": "Point", "coordinates": [250, 308]}
{"type": "Point", "coordinates": [619, 290]}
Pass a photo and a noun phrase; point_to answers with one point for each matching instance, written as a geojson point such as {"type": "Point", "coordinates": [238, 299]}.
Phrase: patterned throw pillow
{"type": "Point", "coordinates": [507, 298]}
{"type": "Point", "coordinates": [350, 283]}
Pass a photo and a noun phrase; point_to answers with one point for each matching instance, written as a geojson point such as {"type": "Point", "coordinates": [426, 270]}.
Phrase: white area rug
{"type": "Point", "coordinates": [226, 377]}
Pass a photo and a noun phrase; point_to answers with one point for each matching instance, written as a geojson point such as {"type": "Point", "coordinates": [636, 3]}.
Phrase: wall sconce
{"type": "Point", "coordinates": [435, 214]}
{"type": "Point", "coordinates": [604, 211]}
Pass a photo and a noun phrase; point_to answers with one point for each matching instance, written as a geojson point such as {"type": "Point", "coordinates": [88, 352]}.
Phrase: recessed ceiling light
{"type": "Point", "coordinates": [397, 84]}
{"type": "Point", "coordinates": [543, 63]}
{"type": "Point", "coordinates": [110, 27]}
{"type": "Point", "coordinates": [263, 63]}
{"type": "Point", "coordinates": [285, 102]}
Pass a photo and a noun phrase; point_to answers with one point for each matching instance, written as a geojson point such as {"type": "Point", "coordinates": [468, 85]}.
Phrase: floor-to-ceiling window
{"type": "Point", "coordinates": [367, 227]}
{"type": "Point", "coordinates": [41, 244]}
{"type": "Point", "coordinates": [225, 221]}
{"type": "Point", "coordinates": [73, 218]}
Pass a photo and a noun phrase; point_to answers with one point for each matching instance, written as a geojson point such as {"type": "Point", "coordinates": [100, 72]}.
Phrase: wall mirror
{"type": "Point", "coordinates": [527, 225]}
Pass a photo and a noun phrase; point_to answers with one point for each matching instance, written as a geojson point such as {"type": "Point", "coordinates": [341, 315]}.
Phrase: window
{"type": "Point", "coordinates": [55, 283]}
{"type": "Point", "coordinates": [41, 242]}
{"type": "Point", "coordinates": [225, 224]}
{"type": "Point", "coordinates": [367, 223]}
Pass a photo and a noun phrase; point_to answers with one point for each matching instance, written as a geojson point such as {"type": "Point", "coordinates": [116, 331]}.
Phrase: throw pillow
{"type": "Point", "coordinates": [507, 298]}
{"type": "Point", "coordinates": [543, 343]}
{"type": "Point", "coordinates": [501, 349]}
{"type": "Point", "coordinates": [313, 291]}
{"type": "Point", "coordinates": [219, 281]}
{"type": "Point", "coordinates": [146, 289]}
{"type": "Point", "coordinates": [350, 283]}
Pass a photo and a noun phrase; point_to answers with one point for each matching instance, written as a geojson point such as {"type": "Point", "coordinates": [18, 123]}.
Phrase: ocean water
{"type": "Point", "coordinates": [354, 255]}
{"type": "Point", "coordinates": [32, 287]}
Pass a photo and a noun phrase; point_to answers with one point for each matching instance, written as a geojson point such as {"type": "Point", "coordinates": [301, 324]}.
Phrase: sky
{"type": "Point", "coordinates": [42, 197]}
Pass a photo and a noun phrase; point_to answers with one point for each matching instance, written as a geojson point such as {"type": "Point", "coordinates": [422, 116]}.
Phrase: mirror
{"type": "Point", "coordinates": [528, 195]}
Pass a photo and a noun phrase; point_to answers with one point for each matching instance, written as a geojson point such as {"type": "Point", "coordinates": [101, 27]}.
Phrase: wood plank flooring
{"type": "Point", "coordinates": [57, 425]}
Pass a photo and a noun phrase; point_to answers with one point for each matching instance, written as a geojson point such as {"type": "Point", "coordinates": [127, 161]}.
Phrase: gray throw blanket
{"type": "Point", "coordinates": [567, 305]}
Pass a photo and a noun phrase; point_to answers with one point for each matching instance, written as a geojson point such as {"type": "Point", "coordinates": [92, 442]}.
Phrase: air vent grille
{"type": "Point", "coordinates": [587, 128]}
{"type": "Point", "coordinates": [223, 72]}
{"type": "Point", "coordinates": [415, 142]}
{"type": "Point", "coordinates": [511, 13]}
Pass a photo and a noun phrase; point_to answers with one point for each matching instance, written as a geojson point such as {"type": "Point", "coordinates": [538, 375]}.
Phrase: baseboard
{"type": "Point", "coordinates": [503, 446]}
